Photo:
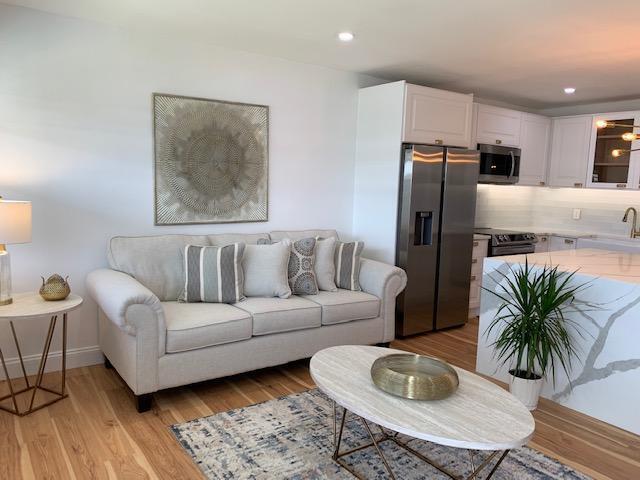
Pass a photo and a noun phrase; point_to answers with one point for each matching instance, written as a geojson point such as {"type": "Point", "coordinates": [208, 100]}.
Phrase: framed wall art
{"type": "Point", "coordinates": [211, 161]}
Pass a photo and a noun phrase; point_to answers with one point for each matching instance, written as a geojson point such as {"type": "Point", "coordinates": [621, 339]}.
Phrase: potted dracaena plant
{"type": "Point", "coordinates": [534, 334]}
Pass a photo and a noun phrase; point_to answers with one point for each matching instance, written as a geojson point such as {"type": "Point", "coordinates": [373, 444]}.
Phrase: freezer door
{"type": "Point", "coordinates": [456, 236]}
{"type": "Point", "coordinates": [418, 233]}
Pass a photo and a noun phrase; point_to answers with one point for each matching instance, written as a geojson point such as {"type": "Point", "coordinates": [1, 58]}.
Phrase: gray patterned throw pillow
{"type": "Point", "coordinates": [347, 258]}
{"type": "Point", "coordinates": [213, 274]}
{"type": "Point", "coordinates": [302, 278]}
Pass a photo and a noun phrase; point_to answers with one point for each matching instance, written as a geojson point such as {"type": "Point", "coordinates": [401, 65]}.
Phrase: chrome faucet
{"type": "Point", "coordinates": [634, 229]}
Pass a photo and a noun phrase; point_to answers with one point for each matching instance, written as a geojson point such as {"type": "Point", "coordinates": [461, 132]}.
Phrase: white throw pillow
{"type": "Point", "coordinates": [325, 267]}
{"type": "Point", "coordinates": [265, 270]}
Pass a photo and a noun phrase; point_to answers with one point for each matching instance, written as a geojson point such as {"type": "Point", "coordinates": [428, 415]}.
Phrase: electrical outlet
{"type": "Point", "coordinates": [576, 213]}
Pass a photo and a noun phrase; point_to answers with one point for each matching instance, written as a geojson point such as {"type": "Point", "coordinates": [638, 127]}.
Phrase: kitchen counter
{"type": "Point", "coordinates": [480, 236]}
{"type": "Point", "coordinates": [606, 374]}
{"type": "Point", "coordinates": [551, 231]}
{"type": "Point", "coordinates": [590, 262]}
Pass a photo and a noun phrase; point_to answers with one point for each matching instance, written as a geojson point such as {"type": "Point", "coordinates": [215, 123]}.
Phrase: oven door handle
{"type": "Point", "coordinates": [513, 163]}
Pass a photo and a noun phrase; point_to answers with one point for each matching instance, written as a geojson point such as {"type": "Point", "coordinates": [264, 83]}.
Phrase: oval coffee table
{"type": "Point", "coordinates": [478, 416]}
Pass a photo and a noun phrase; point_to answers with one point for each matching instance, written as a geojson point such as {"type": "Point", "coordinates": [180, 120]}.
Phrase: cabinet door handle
{"type": "Point", "coordinates": [439, 141]}
{"type": "Point", "coordinates": [475, 244]}
{"type": "Point", "coordinates": [568, 242]}
{"type": "Point", "coordinates": [621, 185]}
{"type": "Point", "coordinates": [577, 185]}
{"type": "Point", "coordinates": [474, 260]}
{"type": "Point", "coordinates": [498, 142]}
{"type": "Point", "coordinates": [473, 278]}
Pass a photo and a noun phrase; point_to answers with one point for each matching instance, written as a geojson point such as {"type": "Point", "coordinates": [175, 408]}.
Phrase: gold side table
{"type": "Point", "coordinates": [30, 305]}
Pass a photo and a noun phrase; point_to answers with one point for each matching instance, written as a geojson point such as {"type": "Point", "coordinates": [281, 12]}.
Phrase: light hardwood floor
{"type": "Point", "coordinates": [96, 432]}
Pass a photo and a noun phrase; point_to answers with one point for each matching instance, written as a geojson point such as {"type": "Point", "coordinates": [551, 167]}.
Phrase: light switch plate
{"type": "Point", "coordinates": [576, 213]}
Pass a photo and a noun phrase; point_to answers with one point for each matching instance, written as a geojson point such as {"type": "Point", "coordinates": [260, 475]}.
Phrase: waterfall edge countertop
{"type": "Point", "coordinates": [593, 262]}
{"type": "Point", "coordinates": [605, 379]}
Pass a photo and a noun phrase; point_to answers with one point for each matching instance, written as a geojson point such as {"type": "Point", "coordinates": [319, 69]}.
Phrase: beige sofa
{"type": "Point", "coordinates": [155, 342]}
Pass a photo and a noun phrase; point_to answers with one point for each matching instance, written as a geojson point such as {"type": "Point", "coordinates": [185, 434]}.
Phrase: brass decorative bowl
{"type": "Point", "coordinates": [416, 377]}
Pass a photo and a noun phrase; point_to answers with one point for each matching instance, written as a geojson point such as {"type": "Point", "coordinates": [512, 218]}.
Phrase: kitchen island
{"type": "Point", "coordinates": [605, 380]}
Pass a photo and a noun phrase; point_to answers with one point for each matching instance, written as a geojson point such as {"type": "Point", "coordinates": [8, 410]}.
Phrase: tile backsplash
{"type": "Point", "coordinates": [550, 209]}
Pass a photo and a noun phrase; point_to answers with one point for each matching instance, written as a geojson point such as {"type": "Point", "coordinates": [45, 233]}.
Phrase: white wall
{"type": "Point", "coordinates": [550, 209]}
{"type": "Point", "coordinates": [76, 139]}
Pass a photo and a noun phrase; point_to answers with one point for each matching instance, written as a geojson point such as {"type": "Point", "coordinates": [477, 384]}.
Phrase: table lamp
{"type": "Point", "coordinates": [15, 227]}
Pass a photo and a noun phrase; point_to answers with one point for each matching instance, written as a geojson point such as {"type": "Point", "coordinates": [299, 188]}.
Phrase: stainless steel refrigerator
{"type": "Point", "coordinates": [435, 236]}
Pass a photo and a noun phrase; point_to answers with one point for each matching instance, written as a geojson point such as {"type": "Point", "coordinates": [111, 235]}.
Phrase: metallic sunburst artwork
{"type": "Point", "coordinates": [211, 161]}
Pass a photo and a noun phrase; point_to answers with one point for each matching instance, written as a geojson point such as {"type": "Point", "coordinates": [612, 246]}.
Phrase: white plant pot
{"type": "Point", "coordinates": [527, 391]}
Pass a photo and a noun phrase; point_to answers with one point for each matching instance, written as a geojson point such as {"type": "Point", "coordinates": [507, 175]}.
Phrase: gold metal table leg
{"type": "Point", "coordinates": [338, 456]}
{"type": "Point", "coordinates": [64, 354]}
{"type": "Point", "coordinates": [43, 360]}
{"type": "Point", "coordinates": [15, 340]}
{"type": "Point", "coordinates": [13, 394]}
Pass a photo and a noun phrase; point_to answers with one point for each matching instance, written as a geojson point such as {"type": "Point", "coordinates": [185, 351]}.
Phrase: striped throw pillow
{"type": "Point", "coordinates": [213, 274]}
{"type": "Point", "coordinates": [347, 259]}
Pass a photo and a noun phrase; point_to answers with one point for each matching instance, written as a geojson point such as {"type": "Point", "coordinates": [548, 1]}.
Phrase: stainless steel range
{"type": "Point", "coordinates": [508, 242]}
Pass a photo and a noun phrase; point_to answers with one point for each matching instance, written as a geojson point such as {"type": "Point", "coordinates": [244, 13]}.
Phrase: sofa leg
{"type": "Point", "coordinates": [143, 402]}
{"type": "Point", "coordinates": [383, 344]}
{"type": "Point", "coordinates": [107, 364]}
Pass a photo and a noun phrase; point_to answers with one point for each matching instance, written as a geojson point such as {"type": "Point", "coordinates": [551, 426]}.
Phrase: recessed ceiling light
{"type": "Point", "coordinates": [345, 36]}
{"type": "Point", "coordinates": [569, 90]}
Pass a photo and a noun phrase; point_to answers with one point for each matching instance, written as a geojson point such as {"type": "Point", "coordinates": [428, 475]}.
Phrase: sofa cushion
{"type": "Point", "coordinates": [325, 266]}
{"type": "Point", "coordinates": [274, 315]}
{"type": "Point", "coordinates": [345, 306]}
{"type": "Point", "coordinates": [222, 239]}
{"type": "Point", "coordinates": [347, 257]}
{"type": "Point", "coordinates": [302, 278]}
{"type": "Point", "coordinates": [155, 261]}
{"type": "Point", "coordinates": [198, 325]}
{"type": "Point", "coordinates": [278, 235]}
{"type": "Point", "coordinates": [213, 274]}
{"type": "Point", "coordinates": [265, 270]}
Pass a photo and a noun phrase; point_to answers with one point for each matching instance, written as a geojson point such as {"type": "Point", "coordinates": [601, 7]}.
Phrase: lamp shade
{"type": "Point", "coordinates": [15, 222]}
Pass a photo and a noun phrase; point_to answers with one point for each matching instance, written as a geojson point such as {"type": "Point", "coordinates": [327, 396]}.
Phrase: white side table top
{"type": "Point", "coordinates": [479, 415]}
{"type": "Point", "coordinates": [31, 304]}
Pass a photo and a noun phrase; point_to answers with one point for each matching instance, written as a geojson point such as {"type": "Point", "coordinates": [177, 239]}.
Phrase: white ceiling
{"type": "Point", "coordinates": [519, 51]}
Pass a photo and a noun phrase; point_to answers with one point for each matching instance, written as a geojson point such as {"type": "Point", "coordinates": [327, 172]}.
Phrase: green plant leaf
{"type": "Point", "coordinates": [534, 334]}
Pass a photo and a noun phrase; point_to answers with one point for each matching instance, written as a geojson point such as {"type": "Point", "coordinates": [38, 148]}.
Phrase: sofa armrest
{"type": "Point", "coordinates": [385, 282]}
{"type": "Point", "coordinates": [115, 292]}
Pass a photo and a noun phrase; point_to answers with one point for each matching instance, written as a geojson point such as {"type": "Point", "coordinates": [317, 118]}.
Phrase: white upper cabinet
{"type": "Point", "coordinates": [569, 151]}
{"type": "Point", "coordinates": [606, 170]}
{"type": "Point", "coordinates": [498, 126]}
{"type": "Point", "coordinates": [535, 134]}
{"type": "Point", "coordinates": [437, 117]}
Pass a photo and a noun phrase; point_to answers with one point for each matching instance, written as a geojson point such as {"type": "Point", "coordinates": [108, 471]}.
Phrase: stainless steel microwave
{"type": "Point", "coordinates": [498, 164]}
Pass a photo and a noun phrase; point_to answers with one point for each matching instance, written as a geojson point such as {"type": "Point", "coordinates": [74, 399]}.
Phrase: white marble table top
{"type": "Point", "coordinates": [479, 415]}
{"type": "Point", "coordinates": [593, 262]}
{"type": "Point", "coordinates": [31, 304]}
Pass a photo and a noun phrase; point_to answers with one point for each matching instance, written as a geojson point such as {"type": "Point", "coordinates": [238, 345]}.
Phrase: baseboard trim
{"type": "Point", "coordinates": [76, 357]}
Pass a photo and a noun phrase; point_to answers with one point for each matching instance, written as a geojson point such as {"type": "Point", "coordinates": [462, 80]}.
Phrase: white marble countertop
{"type": "Point", "coordinates": [480, 236]}
{"type": "Point", "coordinates": [562, 233]}
{"type": "Point", "coordinates": [549, 231]}
{"type": "Point", "coordinates": [593, 262]}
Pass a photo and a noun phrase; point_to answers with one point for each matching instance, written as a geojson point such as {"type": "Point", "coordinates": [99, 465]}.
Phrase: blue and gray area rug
{"type": "Point", "coordinates": [291, 438]}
